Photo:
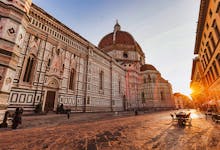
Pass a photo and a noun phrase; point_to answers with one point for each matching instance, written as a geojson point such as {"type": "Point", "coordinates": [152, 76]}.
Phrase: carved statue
{"type": "Point", "coordinates": [34, 44]}
{"type": "Point", "coordinates": [58, 57]}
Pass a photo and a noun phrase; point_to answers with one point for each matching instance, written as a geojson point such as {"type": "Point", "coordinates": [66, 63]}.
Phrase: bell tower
{"type": "Point", "coordinates": [13, 24]}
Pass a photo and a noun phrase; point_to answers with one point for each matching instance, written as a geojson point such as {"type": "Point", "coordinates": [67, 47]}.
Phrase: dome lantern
{"type": "Point", "coordinates": [117, 27]}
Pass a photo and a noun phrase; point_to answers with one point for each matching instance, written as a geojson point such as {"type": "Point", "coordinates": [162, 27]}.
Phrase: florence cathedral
{"type": "Point", "coordinates": [42, 61]}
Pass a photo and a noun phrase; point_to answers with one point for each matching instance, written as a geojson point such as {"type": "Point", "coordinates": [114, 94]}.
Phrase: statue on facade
{"type": "Point", "coordinates": [56, 65]}
{"type": "Point", "coordinates": [34, 44]}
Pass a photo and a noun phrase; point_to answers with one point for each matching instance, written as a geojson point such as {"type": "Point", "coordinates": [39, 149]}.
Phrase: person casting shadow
{"type": "Point", "coordinates": [4, 124]}
{"type": "Point", "coordinates": [17, 118]}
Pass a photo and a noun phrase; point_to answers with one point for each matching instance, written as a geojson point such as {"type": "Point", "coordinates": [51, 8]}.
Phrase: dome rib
{"type": "Point", "coordinates": [123, 37]}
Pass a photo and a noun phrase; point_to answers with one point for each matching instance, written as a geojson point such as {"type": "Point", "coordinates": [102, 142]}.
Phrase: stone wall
{"type": "Point", "coordinates": [68, 69]}
{"type": "Point", "coordinates": [57, 50]}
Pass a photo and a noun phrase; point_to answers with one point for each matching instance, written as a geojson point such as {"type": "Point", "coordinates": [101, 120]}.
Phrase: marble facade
{"type": "Point", "coordinates": [44, 61]}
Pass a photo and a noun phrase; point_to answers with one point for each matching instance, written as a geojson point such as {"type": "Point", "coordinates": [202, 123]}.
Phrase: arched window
{"type": "Point", "coordinates": [72, 78]}
{"type": "Point", "coordinates": [149, 78]}
{"type": "Point", "coordinates": [29, 69]}
{"type": "Point", "coordinates": [88, 100]}
{"type": "Point", "coordinates": [161, 95]}
{"type": "Point", "coordinates": [125, 55]}
{"type": "Point", "coordinates": [145, 80]}
{"type": "Point", "coordinates": [48, 63]}
{"type": "Point", "coordinates": [143, 97]}
{"type": "Point", "coordinates": [63, 67]}
{"type": "Point", "coordinates": [119, 86]}
{"type": "Point", "coordinates": [101, 79]}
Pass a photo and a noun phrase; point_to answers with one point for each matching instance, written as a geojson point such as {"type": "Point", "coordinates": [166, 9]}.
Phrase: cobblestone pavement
{"type": "Point", "coordinates": [107, 131]}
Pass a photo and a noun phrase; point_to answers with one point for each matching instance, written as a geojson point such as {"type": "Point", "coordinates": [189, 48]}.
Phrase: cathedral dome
{"type": "Point", "coordinates": [121, 37]}
{"type": "Point", "coordinates": [147, 67]}
{"type": "Point", "coordinates": [119, 40]}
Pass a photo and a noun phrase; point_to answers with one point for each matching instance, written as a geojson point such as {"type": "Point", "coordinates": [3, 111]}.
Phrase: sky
{"type": "Point", "coordinates": [165, 29]}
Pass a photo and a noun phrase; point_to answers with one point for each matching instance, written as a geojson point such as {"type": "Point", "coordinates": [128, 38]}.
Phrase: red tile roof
{"type": "Point", "coordinates": [147, 67]}
{"type": "Point", "coordinates": [121, 37]}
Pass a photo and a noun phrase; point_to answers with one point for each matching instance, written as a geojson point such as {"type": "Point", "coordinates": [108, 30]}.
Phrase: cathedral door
{"type": "Point", "coordinates": [49, 104]}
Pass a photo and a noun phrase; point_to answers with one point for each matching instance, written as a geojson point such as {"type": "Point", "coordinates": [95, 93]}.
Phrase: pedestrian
{"type": "Point", "coordinates": [21, 110]}
{"type": "Point", "coordinates": [68, 114]}
{"type": "Point", "coordinates": [17, 118]}
{"type": "Point", "coordinates": [4, 124]}
{"type": "Point", "coordinates": [62, 111]}
{"type": "Point", "coordinates": [136, 112]}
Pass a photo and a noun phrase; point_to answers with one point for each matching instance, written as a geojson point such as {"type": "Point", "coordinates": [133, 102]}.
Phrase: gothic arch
{"type": "Point", "coordinates": [72, 79]}
{"type": "Point", "coordinates": [29, 68]}
{"type": "Point", "coordinates": [53, 83]}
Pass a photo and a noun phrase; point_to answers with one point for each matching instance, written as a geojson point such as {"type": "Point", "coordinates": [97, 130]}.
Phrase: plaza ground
{"type": "Point", "coordinates": [109, 131]}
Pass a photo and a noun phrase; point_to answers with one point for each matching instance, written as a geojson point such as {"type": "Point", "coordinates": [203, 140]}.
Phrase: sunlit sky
{"type": "Point", "coordinates": [165, 29]}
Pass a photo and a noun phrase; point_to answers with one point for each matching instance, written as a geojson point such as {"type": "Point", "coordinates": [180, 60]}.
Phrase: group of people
{"type": "Point", "coordinates": [61, 110]}
{"type": "Point", "coordinates": [182, 118]}
{"type": "Point", "coordinates": [16, 118]}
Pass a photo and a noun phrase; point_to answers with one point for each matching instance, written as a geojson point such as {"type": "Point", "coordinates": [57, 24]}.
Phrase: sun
{"type": "Point", "coordinates": [192, 90]}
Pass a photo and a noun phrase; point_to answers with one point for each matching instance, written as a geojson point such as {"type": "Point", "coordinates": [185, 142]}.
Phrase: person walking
{"type": "Point", "coordinates": [135, 112]}
{"type": "Point", "coordinates": [68, 114]}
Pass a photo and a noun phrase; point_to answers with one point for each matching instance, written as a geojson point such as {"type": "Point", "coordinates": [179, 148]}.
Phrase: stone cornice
{"type": "Point", "coordinates": [71, 32]}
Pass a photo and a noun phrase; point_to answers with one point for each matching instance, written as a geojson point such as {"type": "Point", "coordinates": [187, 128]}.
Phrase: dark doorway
{"type": "Point", "coordinates": [49, 104]}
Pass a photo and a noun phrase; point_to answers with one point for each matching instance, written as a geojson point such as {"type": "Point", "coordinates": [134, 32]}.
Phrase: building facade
{"type": "Point", "coordinates": [44, 61]}
{"type": "Point", "coordinates": [205, 78]}
{"type": "Point", "coordinates": [182, 101]}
